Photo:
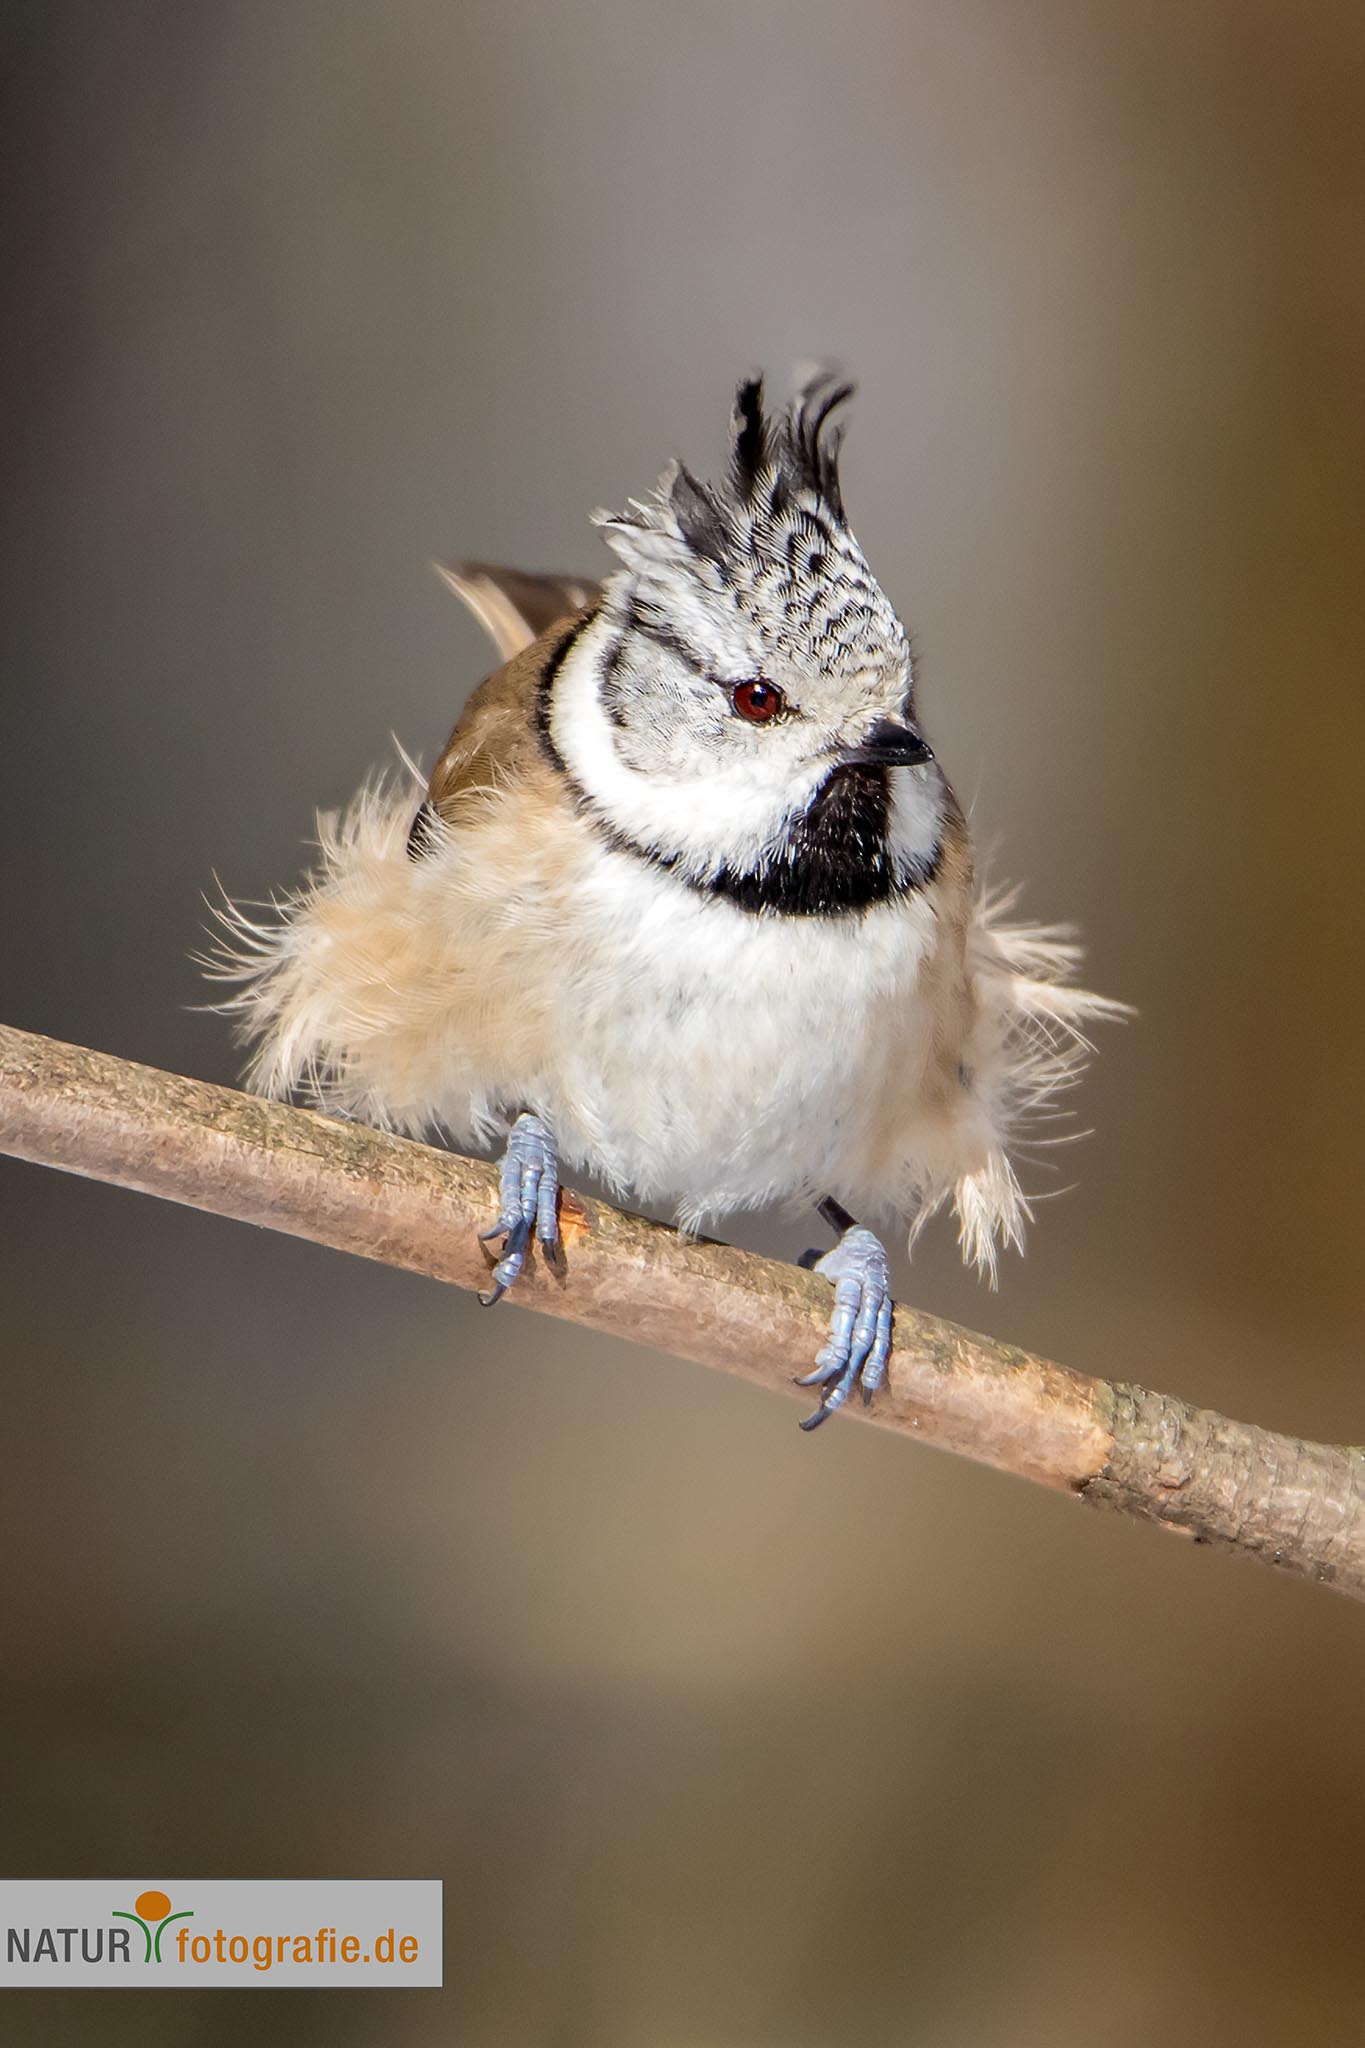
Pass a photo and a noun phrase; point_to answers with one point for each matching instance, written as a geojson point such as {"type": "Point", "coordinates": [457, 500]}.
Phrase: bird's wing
{"type": "Point", "coordinates": [497, 742]}
{"type": "Point", "coordinates": [513, 606]}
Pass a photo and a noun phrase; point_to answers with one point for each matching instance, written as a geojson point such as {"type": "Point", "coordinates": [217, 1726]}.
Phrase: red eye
{"type": "Point", "coordinates": [758, 702]}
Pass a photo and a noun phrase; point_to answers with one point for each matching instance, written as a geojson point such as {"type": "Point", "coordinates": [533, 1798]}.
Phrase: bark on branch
{"type": "Point", "coordinates": [1297, 1505]}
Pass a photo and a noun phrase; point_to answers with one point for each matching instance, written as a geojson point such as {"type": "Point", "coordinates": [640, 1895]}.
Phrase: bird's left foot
{"type": "Point", "coordinates": [528, 1201]}
{"type": "Point", "coordinates": [859, 1345]}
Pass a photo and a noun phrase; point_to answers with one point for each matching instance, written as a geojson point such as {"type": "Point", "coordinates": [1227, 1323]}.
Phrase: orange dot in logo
{"type": "Point", "coordinates": [151, 1905]}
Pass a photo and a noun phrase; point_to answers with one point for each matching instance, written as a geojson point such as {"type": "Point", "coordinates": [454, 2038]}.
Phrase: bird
{"type": "Point", "coordinates": [688, 904]}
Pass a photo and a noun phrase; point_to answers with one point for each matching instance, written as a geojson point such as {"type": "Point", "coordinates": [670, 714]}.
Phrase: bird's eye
{"type": "Point", "coordinates": [758, 702]}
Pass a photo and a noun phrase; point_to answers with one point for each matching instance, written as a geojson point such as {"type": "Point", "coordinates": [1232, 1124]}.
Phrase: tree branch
{"type": "Point", "coordinates": [1297, 1505]}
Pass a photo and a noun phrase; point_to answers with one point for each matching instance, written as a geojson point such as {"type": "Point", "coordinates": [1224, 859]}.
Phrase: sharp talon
{"type": "Point", "coordinates": [492, 1300]}
{"type": "Point", "coordinates": [813, 1421]}
{"type": "Point", "coordinates": [808, 1259]}
{"type": "Point", "coordinates": [825, 1369]}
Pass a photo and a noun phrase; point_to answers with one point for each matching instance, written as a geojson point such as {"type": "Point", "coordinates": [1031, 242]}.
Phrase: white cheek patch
{"type": "Point", "coordinates": [725, 818]}
{"type": "Point", "coordinates": [916, 822]}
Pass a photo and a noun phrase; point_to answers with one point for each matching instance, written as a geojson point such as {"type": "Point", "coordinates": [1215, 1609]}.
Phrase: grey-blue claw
{"type": "Point", "coordinates": [528, 1201]}
{"type": "Point", "coordinates": [859, 1345]}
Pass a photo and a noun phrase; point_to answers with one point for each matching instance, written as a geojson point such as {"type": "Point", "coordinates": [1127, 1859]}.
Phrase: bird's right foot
{"type": "Point", "coordinates": [859, 1344]}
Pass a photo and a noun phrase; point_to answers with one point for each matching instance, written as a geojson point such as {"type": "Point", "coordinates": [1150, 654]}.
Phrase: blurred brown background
{"type": "Point", "coordinates": [717, 1735]}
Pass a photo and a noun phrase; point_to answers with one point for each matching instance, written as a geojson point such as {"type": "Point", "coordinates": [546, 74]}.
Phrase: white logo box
{"type": "Point", "coordinates": [184, 1931]}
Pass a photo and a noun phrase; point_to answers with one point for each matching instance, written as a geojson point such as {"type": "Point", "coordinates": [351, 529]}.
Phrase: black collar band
{"type": "Point", "coordinates": [835, 861]}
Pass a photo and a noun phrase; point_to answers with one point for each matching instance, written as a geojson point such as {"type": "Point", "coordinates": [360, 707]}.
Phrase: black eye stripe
{"type": "Point", "coordinates": [663, 636]}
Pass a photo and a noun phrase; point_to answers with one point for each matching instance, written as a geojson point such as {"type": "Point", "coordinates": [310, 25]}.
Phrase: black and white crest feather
{"type": "Point", "coordinates": [800, 453]}
{"type": "Point", "coordinates": [773, 542]}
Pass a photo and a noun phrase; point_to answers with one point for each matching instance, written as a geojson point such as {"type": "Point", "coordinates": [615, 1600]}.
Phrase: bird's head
{"type": "Point", "coordinates": [740, 707]}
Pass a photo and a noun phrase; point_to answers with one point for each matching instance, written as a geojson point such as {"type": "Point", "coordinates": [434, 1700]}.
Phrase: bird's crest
{"type": "Point", "coordinates": [773, 540]}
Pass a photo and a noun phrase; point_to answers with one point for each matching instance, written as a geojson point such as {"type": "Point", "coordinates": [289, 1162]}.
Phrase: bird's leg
{"type": "Point", "coordinates": [529, 1201]}
{"type": "Point", "coordinates": [859, 1344]}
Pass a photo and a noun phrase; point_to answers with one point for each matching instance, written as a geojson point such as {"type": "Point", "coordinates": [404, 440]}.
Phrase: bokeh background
{"type": "Point", "coordinates": [719, 1737]}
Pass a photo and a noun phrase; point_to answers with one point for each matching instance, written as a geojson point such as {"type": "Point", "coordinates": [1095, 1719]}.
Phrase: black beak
{"type": "Point", "coordinates": [890, 745]}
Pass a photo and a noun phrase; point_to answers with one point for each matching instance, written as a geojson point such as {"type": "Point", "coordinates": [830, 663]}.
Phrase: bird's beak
{"type": "Point", "coordinates": [890, 744]}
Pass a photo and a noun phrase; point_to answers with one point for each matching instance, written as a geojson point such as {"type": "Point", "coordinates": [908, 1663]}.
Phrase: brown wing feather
{"type": "Point", "coordinates": [513, 606]}
{"type": "Point", "coordinates": [498, 737]}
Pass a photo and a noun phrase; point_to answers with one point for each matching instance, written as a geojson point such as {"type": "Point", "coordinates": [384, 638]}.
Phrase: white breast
{"type": "Point", "coordinates": [717, 1060]}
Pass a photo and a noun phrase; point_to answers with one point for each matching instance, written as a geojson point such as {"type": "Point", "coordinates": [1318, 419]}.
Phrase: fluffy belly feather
{"type": "Point", "coordinates": [718, 1060]}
